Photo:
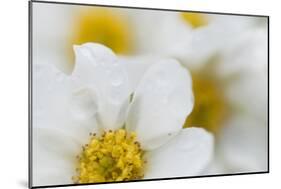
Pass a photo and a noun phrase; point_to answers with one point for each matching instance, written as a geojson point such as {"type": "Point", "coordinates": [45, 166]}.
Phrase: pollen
{"type": "Point", "coordinates": [196, 20]}
{"type": "Point", "coordinates": [113, 156]}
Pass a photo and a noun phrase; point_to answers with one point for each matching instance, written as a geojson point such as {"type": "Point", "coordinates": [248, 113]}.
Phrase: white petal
{"type": "Point", "coordinates": [98, 70]}
{"type": "Point", "coordinates": [247, 61]}
{"type": "Point", "coordinates": [54, 155]}
{"type": "Point", "coordinates": [243, 144]}
{"type": "Point", "coordinates": [50, 90]}
{"type": "Point", "coordinates": [216, 166]}
{"type": "Point", "coordinates": [220, 32]}
{"type": "Point", "coordinates": [160, 103]}
{"type": "Point", "coordinates": [247, 54]}
{"type": "Point", "coordinates": [249, 94]}
{"type": "Point", "coordinates": [136, 67]}
{"type": "Point", "coordinates": [52, 22]}
{"type": "Point", "coordinates": [59, 104]}
{"type": "Point", "coordinates": [169, 37]}
{"type": "Point", "coordinates": [174, 37]}
{"type": "Point", "coordinates": [52, 25]}
{"type": "Point", "coordinates": [61, 123]}
{"type": "Point", "coordinates": [185, 155]}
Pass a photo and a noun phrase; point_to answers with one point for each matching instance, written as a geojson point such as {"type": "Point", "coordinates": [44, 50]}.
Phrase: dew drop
{"type": "Point", "coordinates": [117, 76]}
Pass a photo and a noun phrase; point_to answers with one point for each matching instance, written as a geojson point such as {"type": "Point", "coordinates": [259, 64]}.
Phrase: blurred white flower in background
{"type": "Point", "coordinates": [243, 139]}
{"type": "Point", "coordinates": [136, 114]}
{"type": "Point", "coordinates": [227, 56]}
{"type": "Point", "coordinates": [58, 27]}
{"type": "Point", "coordinates": [190, 37]}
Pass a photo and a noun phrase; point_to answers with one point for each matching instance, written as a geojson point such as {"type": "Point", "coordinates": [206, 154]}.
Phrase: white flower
{"type": "Point", "coordinates": [242, 143]}
{"type": "Point", "coordinates": [234, 82]}
{"type": "Point", "coordinates": [189, 37]}
{"type": "Point", "coordinates": [57, 27]}
{"type": "Point", "coordinates": [104, 93]}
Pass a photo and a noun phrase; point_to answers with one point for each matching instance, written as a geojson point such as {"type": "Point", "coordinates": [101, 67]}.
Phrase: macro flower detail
{"type": "Point", "coordinates": [122, 94]}
{"type": "Point", "coordinates": [114, 121]}
{"type": "Point", "coordinates": [114, 156]}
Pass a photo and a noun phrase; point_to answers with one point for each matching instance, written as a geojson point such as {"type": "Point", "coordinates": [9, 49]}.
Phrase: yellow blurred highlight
{"type": "Point", "coordinates": [196, 20]}
{"type": "Point", "coordinates": [102, 25]}
{"type": "Point", "coordinates": [210, 109]}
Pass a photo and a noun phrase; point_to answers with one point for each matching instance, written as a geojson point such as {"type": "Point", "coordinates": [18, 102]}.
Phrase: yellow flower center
{"type": "Point", "coordinates": [114, 156]}
{"type": "Point", "coordinates": [210, 108]}
{"type": "Point", "coordinates": [101, 25]}
{"type": "Point", "coordinates": [196, 20]}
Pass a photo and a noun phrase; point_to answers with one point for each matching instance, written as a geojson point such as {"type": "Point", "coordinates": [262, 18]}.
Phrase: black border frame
{"type": "Point", "coordinates": [30, 97]}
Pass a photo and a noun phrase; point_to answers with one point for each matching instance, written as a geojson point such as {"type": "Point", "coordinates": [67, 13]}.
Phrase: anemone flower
{"type": "Point", "coordinates": [95, 125]}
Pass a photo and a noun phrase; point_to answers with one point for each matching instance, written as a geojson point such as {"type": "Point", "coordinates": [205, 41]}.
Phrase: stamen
{"type": "Point", "coordinates": [114, 156]}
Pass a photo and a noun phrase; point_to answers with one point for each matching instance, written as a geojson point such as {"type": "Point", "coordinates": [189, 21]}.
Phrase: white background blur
{"type": "Point", "coordinates": [14, 88]}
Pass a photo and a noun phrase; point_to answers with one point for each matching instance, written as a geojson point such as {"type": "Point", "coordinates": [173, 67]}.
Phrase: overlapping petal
{"type": "Point", "coordinates": [53, 156]}
{"type": "Point", "coordinates": [160, 103]}
{"type": "Point", "coordinates": [98, 71]}
{"type": "Point", "coordinates": [243, 144]}
{"type": "Point", "coordinates": [98, 93]}
{"type": "Point", "coordinates": [57, 105]}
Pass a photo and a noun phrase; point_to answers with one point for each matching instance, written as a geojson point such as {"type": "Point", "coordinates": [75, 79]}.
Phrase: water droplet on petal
{"type": "Point", "coordinates": [117, 76]}
{"type": "Point", "coordinates": [117, 79]}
